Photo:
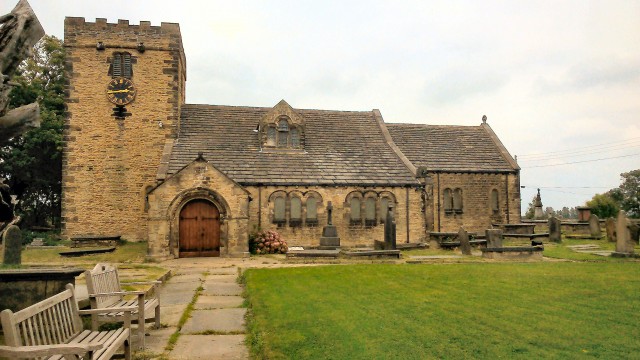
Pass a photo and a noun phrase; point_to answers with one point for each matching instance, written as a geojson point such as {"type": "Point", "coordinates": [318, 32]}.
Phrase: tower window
{"type": "Point", "coordinates": [121, 65]}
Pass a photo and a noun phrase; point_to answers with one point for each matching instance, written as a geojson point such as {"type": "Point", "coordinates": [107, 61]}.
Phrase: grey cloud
{"type": "Point", "coordinates": [459, 85]}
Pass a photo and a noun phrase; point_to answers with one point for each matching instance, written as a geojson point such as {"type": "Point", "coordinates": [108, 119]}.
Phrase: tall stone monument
{"type": "Point", "coordinates": [537, 208]}
{"type": "Point", "coordinates": [390, 229]}
{"type": "Point", "coordinates": [330, 238]}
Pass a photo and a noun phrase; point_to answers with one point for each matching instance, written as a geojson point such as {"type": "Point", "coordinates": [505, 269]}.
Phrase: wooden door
{"type": "Point", "coordinates": [199, 229]}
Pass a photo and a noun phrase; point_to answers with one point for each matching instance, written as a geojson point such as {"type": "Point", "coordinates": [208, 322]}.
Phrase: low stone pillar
{"type": "Point", "coordinates": [555, 234]}
{"type": "Point", "coordinates": [594, 226]}
{"type": "Point", "coordinates": [465, 245]}
{"type": "Point", "coordinates": [610, 225]}
{"type": "Point", "coordinates": [494, 238]}
{"type": "Point", "coordinates": [12, 246]}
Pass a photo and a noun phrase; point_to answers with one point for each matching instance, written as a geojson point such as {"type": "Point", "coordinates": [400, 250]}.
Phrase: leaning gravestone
{"type": "Point", "coordinates": [12, 246]}
{"type": "Point", "coordinates": [555, 234]}
{"type": "Point", "coordinates": [594, 226]}
{"type": "Point", "coordinates": [494, 238]}
{"type": "Point", "coordinates": [465, 245]}
{"type": "Point", "coordinates": [610, 225]}
{"type": "Point", "coordinates": [624, 244]}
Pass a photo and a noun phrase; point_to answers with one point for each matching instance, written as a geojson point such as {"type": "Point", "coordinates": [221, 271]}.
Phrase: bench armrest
{"type": "Point", "coordinates": [108, 310]}
{"type": "Point", "coordinates": [115, 293]}
{"type": "Point", "coordinates": [142, 283]}
{"type": "Point", "coordinates": [47, 350]}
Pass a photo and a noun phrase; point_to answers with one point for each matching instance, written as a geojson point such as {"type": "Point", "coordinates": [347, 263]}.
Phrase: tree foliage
{"type": "Point", "coordinates": [603, 205]}
{"type": "Point", "coordinates": [32, 163]}
{"type": "Point", "coordinates": [628, 193]}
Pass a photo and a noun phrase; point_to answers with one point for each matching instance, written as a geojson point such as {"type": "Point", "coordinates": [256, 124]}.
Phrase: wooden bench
{"type": "Point", "coordinates": [103, 285]}
{"type": "Point", "coordinates": [52, 329]}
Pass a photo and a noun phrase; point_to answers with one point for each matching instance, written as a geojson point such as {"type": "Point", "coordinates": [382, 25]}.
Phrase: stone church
{"type": "Point", "coordinates": [196, 180]}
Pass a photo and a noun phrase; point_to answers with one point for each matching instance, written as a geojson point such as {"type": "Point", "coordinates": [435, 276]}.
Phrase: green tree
{"type": "Point", "coordinates": [629, 193]}
{"type": "Point", "coordinates": [32, 163]}
{"type": "Point", "coordinates": [603, 205]}
{"type": "Point", "coordinates": [531, 209]}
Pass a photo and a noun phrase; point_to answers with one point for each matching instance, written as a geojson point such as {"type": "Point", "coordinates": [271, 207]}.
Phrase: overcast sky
{"type": "Point", "coordinates": [558, 80]}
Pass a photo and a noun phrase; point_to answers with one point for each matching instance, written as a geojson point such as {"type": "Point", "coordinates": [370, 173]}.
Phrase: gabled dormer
{"type": "Point", "coordinates": [282, 128]}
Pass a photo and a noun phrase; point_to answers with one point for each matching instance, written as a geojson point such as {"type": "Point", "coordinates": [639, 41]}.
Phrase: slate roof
{"type": "Point", "coordinates": [452, 148]}
{"type": "Point", "coordinates": [341, 148]}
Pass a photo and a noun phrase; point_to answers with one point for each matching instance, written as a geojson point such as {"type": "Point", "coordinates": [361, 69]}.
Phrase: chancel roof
{"type": "Point", "coordinates": [452, 148]}
{"type": "Point", "coordinates": [340, 148]}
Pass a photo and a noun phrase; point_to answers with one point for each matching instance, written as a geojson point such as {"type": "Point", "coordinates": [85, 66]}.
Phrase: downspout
{"type": "Point", "coordinates": [506, 185]}
{"type": "Point", "coordinates": [259, 207]}
{"type": "Point", "coordinates": [438, 176]}
{"type": "Point", "coordinates": [407, 214]}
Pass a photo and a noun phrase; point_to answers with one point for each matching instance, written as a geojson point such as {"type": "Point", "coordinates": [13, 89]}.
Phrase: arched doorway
{"type": "Point", "coordinates": [199, 229]}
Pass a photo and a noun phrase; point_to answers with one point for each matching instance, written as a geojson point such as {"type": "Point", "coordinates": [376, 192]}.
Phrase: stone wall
{"type": "Point", "coordinates": [477, 214]}
{"type": "Point", "coordinates": [109, 164]}
{"type": "Point", "coordinates": [351, 235]}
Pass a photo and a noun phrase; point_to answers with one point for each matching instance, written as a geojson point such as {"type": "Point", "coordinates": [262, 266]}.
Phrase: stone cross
{"type": "Point", "coordinates": [12, 246]}
{"type": "Point", "coordinates": [329, 210]}
{"type": "Point", "coordinates": [554, 230]}
{"type": "Point", "coordinates": [465, 245]}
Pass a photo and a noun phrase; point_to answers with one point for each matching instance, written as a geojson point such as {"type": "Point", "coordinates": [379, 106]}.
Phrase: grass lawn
{"type": "Point", "coordinates": [533, 310]}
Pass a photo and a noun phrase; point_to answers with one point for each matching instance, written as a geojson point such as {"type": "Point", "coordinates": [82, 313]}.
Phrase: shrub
{"type": "Point", "coordinates": [267, 242]}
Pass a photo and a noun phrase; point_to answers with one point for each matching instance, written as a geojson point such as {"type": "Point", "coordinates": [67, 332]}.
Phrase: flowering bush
{"type": "Point", "coordinates": [267, 242]}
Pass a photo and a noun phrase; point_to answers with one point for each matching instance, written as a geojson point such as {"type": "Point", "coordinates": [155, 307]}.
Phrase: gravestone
{"type": "Point", "coordinates": [555, 234]}
{"type": "Point", "coordinates": [494, 238]}
{"type": "Point", "coordinates": [12, 246]}
{"type": "Point", "coordinates": [594, 226]}
{"type": "Point", "coordinates": [465, 245]}
{"type": "Point", "coordinates": [37, 242]}
{"type": "Point", "coordinates": [329, 239]}
{"type": "Point", "coordinates": [624, 244]}
{"type": "Point", "coordinates": [610, 225]}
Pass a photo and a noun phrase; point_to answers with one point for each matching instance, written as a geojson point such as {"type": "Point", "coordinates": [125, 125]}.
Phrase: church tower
{"type": "Point", "coordinates": [126, 86]}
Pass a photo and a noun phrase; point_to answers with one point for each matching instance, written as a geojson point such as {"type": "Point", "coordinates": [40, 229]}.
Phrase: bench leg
{"type": "Point", "coordinates": [158, 316]}
{"type": "Point", "coordinates": [127, 350]}
{"type": "Point", "coordinates": [141, 321]}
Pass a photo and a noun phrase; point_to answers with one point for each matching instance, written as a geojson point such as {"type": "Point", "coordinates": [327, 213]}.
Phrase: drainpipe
{"type": "Point", "coordinates": [438, 177]}
{"type": "Point", "coordinates": [506, 185]}
{"type": "Point", "coordinates": [407, 211]}
{"type": "Point", "coordinates": [259, 207]}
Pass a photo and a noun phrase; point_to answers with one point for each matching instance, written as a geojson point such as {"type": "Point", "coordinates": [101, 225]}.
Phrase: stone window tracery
{"type": "Point", "coordinates": [283, 133]}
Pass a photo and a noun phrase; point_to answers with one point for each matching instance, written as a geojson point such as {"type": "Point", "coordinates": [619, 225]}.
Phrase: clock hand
{"type": "Point", "coordinates": [118, 91]}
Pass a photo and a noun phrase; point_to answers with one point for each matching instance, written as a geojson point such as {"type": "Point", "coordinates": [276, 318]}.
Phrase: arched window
{"type": "Point", "coordinates": [295, 137]}
{"type": "Point", "coordinates": [384, 209]}
{"type": "Point", "coordinates": [278, 210]}
{"type": "Point", "coordinates": [457, 200]}
{"type": "Point", "coordinates": [312, 211]}
{"type": "Point", "coordinates": [283, 124]}
{"type": "Point", "coordinates": [370, 212]}
{"type": "Point", "coordinates": [121, 65]}
{"type": "Point", "coordinates": [448, 201]}
{"type": "Point", "coordinates": [271, 136]}
{"type": "Point", "coordinates": [495, 203]}
{"type": "Point", "coordinates": [296, 212]}
{"type": "Point", "coordinates": [355, 211]}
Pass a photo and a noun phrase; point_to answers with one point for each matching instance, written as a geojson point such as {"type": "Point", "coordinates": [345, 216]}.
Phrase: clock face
{"type": "Point", "coordinates": [121, 91]}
